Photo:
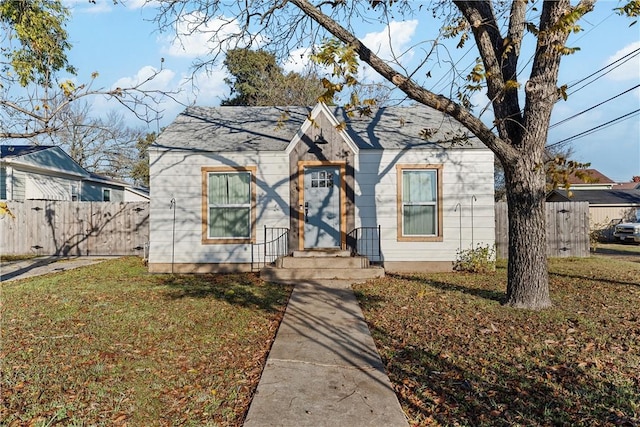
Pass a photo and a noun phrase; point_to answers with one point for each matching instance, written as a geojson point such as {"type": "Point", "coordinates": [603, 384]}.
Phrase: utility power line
{"type": "Point", "coordinates": [593, 129]}
{"type": "Point", "coordinates": [628, 57]}
{"type": "Point", "coordinates": [591, 108]}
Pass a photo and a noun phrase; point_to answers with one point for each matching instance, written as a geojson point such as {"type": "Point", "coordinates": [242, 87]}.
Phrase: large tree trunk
{"type": "Point", "coordinates": [522, 132]}
{"type": "Point", "coordinates": [528, 281]}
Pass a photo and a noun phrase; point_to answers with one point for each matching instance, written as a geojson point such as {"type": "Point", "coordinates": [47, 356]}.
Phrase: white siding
{"type": "Point", "coordinates": [466, 173]}
{"type": "Point", "coordinates": [46, 187]}
{"type": "Point", "coordinates": [3, 183]}
{"type": "Point", "coordinates": [131, 196]}
{"type": "Point", "coordinates": [18, 183]}
{"type": "Point", "coordinates": [177, 175]}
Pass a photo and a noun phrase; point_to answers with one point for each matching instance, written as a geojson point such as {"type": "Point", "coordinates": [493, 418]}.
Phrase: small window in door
{"type": "Point", "coordinates": [106, 195]}
{"type": "Point", "coordinates": [321, 179]}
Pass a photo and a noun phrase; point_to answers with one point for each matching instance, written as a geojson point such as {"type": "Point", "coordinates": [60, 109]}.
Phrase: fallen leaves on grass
{"type": "Point", "coordinates": [456, 356]}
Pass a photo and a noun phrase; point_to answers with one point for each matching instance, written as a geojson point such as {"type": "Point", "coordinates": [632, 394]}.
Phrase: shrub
{"type": "Point", "coordinates": [481, 259]}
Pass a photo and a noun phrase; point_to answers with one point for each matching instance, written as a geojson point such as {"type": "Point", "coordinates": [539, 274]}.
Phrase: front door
{"type": "Point", "coordinates": [322, 207]}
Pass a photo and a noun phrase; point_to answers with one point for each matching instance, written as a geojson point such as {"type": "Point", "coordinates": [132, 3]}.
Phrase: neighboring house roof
{"type": "Point", "coordinates": [42, 157]}
{"type": "Point", "coordinates": [8, 151]}
{"type": "Point", "coordinates": [597, 197]}
{"type": "Point", "coordinates": [593, 176]}
{"type": "Point", "coordinates": [627, 185]}
{"type": "Point", "coordinates": [238, 129]}
{"type": "Point", "coordinates": [103, 179]}
{"type": "Point", "coordinates": [140, 191]}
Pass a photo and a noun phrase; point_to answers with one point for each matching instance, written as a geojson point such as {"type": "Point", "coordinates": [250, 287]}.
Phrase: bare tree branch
{"type": "Point", "coordinates": [28, 116]}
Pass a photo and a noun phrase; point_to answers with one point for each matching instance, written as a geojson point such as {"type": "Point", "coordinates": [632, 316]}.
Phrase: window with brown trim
{"type": "Point", "coordinates": [419, 202]}
{"type": "Point", "coordinates": [228, 204]}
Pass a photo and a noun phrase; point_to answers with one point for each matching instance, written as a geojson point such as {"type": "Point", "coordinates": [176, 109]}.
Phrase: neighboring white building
{"type": "Point", "coordinates": [30, 172]}
{"type": "Point", "coordinates": [44, 172]}
{"type": "Point", "coordinates": [219, 176]}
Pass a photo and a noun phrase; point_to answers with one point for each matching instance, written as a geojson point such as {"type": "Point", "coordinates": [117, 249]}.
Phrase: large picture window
{"type": "Point", "coordinates": [228, 205]}
{"type": "Point", "coordinates": [419, 202]}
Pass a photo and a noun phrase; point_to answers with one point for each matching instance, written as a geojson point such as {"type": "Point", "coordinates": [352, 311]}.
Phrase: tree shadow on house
{"type": "Point", "coordinates": [241, 289]}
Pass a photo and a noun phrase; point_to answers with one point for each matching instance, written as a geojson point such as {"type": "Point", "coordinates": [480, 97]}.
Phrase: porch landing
{"type": "Point", "coordinates": [321, 265]}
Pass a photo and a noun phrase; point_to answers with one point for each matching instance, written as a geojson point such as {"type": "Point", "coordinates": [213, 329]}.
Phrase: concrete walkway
{"type": "Point", "coordinates": [323, 368]}
{"type": "Point", "coordinates": [43, 265]}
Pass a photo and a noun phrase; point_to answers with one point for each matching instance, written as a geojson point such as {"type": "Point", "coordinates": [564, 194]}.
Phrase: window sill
{"type": "Point", "coordinates": [420, 239]}
{"type": "Point", "coordinates": [221, 241]}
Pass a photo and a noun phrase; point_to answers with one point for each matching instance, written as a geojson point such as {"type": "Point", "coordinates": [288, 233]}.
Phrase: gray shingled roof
{"type": "Point", "coordinates": [225, 129]}
{"type": "Point", "coordinates": [20, 150]}
{"type": "Point", "coordinates": [599, 197]}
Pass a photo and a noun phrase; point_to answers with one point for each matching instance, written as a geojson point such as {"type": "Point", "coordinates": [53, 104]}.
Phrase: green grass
{"type": "Point", "coordinates": [112, 345]}
{"type": "Point", "coordinates": [456, 356]}
{"type": "Point", "coordinates": [630, 251]}
{"type": "Point", "coordinates": [12, 258]}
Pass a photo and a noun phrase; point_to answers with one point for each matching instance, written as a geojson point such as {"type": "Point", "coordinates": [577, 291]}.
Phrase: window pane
{"type": "Point", "coordinates": [419, 186]}
{"type": "Point", "coordinates": [218, 189]}
{"type": "Point", "coordinates": [229, 222]}
{"type": "Point", "coordinates": [239, 188]}
{"type": "Point", "coordinates": [419, 220]}
{"type": "Point", "coordinates": [231, 188]}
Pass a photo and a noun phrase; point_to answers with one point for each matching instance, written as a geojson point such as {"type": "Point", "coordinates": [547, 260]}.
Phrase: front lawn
{"type": "Point", "coordinates": [457, 357]}
{"type": "Point", "coordinates": [112, 345]}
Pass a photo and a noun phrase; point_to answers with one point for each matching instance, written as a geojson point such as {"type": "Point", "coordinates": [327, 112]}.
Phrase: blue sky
{"type": "Point", "coordinates": [123, 46]}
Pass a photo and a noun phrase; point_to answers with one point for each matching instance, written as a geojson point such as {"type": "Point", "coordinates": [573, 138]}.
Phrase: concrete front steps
{"type": "Point", "coordinates": [321, 265]}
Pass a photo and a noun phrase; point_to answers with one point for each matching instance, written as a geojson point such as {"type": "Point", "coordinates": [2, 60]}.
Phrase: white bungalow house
{"type": "Point", "coordinates": [403, 187]}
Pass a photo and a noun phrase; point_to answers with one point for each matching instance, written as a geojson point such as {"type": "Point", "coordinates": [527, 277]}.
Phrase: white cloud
{"type": "Point", "coordinates": [391, 44]}
{"type": "Point", "coordinates": [298, 60]}
{"type": "Point", "coordinates": [160, 79]}
{"type": "Point", "coordinates": [629, 69]}
{"type": "Point", "coordinates": [163, 81]}
{"type": "Point", "coordinates": [137, 4]}
{"type": "Point", "coordinates": [197, 35]}
{"type": "Point", "coordinates": [210, 87]}
{"type": "Point", "coordinates": [204, 88]}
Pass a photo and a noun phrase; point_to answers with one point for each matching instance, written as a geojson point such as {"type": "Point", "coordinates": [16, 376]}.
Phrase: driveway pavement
{"type": "Point", "coordinates": [43, 265]}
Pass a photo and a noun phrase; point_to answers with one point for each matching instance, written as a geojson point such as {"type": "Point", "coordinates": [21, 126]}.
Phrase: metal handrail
{"type": "Point", "coordinates": [274, 246]}
{"type": "Point", "coordinates": [365, 241]}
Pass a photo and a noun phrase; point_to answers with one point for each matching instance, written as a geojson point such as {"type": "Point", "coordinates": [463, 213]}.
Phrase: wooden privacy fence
{"type": "Point", "coordinates": [567, 229]}
{"type": "Point", "coordinates": [75, 228]}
